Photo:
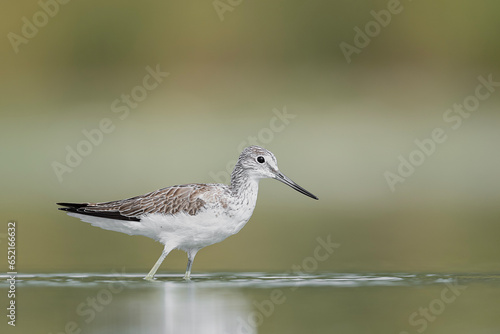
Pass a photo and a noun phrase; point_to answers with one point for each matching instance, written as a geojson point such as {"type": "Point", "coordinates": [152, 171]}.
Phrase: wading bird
{"type": "Point", "coordinates": [192, 216]}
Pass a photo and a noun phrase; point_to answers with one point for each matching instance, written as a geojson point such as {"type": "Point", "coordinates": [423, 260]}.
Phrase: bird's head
{"type": "Point", "coordinates": [259, 163]}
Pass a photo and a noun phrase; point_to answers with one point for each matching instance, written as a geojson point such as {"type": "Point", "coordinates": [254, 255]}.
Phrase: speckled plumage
{"type": "Point", "coordinates": [192, 216]}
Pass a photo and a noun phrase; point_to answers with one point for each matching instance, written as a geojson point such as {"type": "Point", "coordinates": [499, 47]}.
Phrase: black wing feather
{"type": "Point", "coordinates": [80, 208]}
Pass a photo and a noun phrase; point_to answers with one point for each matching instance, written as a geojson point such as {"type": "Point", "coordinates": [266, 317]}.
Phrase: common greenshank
{"type": "Point", "coordinates": [192, 216]}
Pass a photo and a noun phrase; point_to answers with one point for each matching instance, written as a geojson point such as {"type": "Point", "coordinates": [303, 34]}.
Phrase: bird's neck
{"type": "Point", "coordinates": [243, 184]}
{"type": "Point", "coordinates": [244, 189]}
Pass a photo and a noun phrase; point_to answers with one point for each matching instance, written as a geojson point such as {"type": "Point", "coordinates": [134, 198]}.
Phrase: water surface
{"type": "Point", "coordinates": [257, 303]}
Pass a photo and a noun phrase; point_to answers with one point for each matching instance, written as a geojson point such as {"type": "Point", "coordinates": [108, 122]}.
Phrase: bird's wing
{"type": "Point", "coordinates": [172, 200]}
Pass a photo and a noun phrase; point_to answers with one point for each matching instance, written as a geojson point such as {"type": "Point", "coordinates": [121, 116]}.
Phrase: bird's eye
{"type": "Point", "coordinates": [260, 160]}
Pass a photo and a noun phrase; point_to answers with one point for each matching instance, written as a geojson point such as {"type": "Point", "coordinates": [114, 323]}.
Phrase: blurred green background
{"type": "Point", "coordinates": [348, 125]}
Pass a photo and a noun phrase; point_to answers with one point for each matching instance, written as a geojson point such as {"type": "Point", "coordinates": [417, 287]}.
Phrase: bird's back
{"type": "Point", "coordinates": [189, 199]}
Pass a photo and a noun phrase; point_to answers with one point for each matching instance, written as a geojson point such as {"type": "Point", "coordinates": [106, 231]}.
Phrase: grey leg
{"type": "Point", "coordinates": [152, 272]}
{"type": "Point", "coordinates": [191, 255]}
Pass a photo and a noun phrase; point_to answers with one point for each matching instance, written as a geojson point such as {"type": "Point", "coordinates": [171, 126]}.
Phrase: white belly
{"type": "Point", "coordinates": [180, 231]}
{"type": "Point", "coordinates": [186, 232]}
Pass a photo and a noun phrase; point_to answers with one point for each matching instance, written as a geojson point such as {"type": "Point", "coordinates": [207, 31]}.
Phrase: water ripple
{"type": "Point", "coordinates": [253, 280]}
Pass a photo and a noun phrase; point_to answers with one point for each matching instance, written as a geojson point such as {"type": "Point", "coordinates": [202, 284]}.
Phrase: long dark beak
{"type": "Point", "coordinates": [283, 178]}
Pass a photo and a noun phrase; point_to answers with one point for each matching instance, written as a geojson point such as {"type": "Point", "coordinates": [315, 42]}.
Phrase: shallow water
{"type": "Point", "coordinates": [256, 303]}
